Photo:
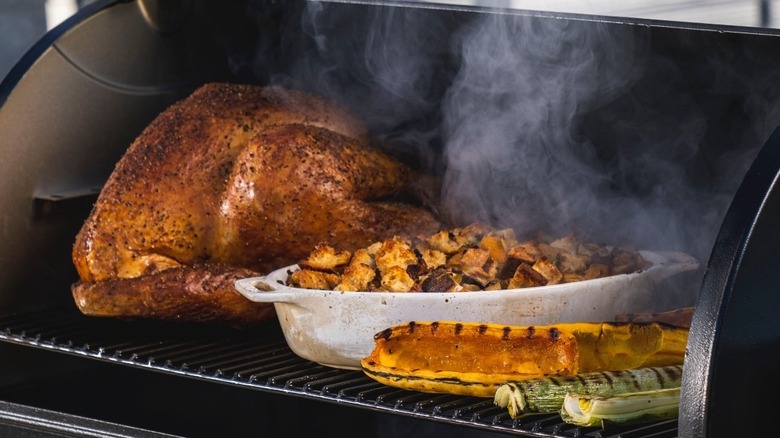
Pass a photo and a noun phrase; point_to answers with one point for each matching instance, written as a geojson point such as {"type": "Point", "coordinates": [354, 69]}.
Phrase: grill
{"type": "Point", "coordinates": [72, 105]}
{"type": "Point", "coordinates": [261, 361]}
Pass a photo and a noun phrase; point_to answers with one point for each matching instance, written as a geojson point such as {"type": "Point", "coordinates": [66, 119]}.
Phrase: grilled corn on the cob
{"type": "Point", "coordinates": [547, 394]}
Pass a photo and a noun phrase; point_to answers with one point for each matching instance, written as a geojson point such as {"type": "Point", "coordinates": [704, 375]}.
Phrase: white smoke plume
{"type": "Point", "coordinates": [630, 135]}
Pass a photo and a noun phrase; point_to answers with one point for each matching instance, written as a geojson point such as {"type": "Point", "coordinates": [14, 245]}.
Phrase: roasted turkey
{"type": "Point", "coordinates": [234, 181]}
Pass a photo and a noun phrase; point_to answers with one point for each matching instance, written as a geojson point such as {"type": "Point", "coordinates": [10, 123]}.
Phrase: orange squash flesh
{"type": "Point", "coordinates": [475, 359]}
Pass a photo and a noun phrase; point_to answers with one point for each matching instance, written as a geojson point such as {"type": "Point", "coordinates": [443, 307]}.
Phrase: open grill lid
{"type": "Point", "coordinates": [733, 347]}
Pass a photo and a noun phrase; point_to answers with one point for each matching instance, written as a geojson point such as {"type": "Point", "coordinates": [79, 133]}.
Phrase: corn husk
{"type": "Point", "coordinates": [633, 407]}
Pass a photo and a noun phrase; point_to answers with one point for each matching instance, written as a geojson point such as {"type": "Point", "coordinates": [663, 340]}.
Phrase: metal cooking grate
{"type": "Point", "coordinates": [260, 360]}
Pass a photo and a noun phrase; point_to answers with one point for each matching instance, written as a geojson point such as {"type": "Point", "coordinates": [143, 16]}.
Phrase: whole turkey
{"type": "Point", "coordinates": [231, 182]}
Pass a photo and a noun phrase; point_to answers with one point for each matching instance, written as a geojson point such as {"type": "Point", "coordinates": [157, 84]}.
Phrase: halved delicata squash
{"type": "Point", "coordinates": [475, 359]}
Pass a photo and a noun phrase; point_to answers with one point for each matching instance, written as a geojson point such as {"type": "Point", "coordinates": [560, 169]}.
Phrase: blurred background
{"type": "Point", "coordinates": [23, 22]}
{"type": "Point", "coordinates": [751, 13]}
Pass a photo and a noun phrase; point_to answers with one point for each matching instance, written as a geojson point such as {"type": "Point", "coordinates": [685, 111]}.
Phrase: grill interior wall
{"type": "Point", "coordinates": [36, 267]}
{"type": "Point", "coordinates": [723, 72]}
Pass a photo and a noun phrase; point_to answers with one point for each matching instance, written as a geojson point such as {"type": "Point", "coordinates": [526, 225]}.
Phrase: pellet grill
{"type": "Point", "coordinates": [702, 97]}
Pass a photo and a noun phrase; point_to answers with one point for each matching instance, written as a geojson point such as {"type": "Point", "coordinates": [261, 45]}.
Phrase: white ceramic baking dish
{"type": "Point", "coordinates": [337, 329]}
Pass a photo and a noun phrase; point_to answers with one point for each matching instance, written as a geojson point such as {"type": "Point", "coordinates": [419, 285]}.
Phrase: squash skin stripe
{"type": "Point", "coordinates": [449, 385]}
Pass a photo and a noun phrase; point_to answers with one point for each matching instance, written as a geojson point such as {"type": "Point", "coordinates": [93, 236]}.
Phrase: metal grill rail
{"type": "Point", "coordinates": [261, 360]}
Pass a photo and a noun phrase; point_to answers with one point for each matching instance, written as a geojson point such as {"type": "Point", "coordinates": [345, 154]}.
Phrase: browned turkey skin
{"type": "Point", "coordinates": [233, 181]}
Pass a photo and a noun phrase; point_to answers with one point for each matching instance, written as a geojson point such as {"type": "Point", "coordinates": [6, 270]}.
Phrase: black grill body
{"type": "Point", "coordinates": [704, 95]}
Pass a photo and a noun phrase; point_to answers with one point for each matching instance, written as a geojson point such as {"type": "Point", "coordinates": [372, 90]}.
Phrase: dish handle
{"type": "Point", "coordinates": [673, 263]}
{"type": "Point", "coordinates": [259, 290]}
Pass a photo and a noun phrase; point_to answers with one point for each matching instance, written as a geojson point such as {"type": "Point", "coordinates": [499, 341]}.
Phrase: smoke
{"type": "Point", "coordinates": [565, 125]}
{"type": "Point", "coordinates": [628, 135]}
{"type": "Point", "coordinates": [513, 155]}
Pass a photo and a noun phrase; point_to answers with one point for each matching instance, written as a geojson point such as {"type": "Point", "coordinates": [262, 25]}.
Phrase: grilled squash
{"type": "Point", "coordinates": [474, 359]}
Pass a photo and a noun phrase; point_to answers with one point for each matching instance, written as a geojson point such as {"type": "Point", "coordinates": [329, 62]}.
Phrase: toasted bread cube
{"type": "Point", "coordinates": [525, 252]}
{"type": "Point", "coordinates": [434, 258]}
{"type": "Point", "coordinates": [308, 279]}
{"type": "Point", "coordinates": [397, 280]}
{"type": "Point", "coordinates": [624, 261]}
{"type": "Point", "coordinates": [567, 243]}
{"type": "Point", "coordinates": [440, 280]}
{"type": "Point", "coordinates": [359, 273]}
{"type": "Point", "coordinates": [467, 287]}
{"type": "Point", "coordinates": [445, 242]}
{"type": "Point", "coordinates": [595, 270]}
{"type": "Point", "coordinates": [395, 252]}
{"type": "Point", "coordinates": [548, 269]}
{"type": "Point", "coordinates": [471, 234]}
{"type": "Point", "coordinates": [470, 258]}
{"type": "Point", "coordinates": [508, 235]}
{"type": "Point", "coordinates": [507, 270]}
{"type": "Point", "coordinates": [570, 262]}
{"type": "Point", "coordinates": [356, 277]}
{"type": "Point", "coordinates": [493, 285]}
{"type": "Point", "coordinates": [525, 276]}
{"type": "Point", "coordinates": [374, 248]}
{"type": "Point", "coordinates": [362, 256]}
{"type": "Point", "coordinates": [475, 263]}
{"type": "Point", "coordinates": [572, 277]}
{"type": "Point", "coordinates": [593, 250]}
{"type": "Point", "coordinates": [548, 251]}
{"type": "Point", "coordinates": [325, 258]}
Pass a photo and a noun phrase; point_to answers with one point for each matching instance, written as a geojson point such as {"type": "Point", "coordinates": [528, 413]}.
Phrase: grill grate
{"type": "Point", "coordinates": [260, 359]}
